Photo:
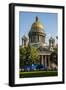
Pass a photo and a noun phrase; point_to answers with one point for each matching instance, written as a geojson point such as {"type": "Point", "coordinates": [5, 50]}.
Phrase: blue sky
{"type": "Point", "coordinates": [49, 21]}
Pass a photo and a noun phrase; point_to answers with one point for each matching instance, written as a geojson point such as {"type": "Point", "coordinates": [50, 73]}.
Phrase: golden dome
{"type": "Point", "coordinates": [37, 25]}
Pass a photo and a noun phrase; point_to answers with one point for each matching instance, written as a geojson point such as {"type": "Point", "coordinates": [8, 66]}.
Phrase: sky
{"type": "Point", "coordinates": [49, 21]}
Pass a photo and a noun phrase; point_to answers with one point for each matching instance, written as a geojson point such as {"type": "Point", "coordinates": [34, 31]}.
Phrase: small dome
{"type": "Point", "coordinates": [37, 25]}
{"type": "Point", "coordinates": [25, 37]}
{"type": "Point", "coordinates": [51, 39]}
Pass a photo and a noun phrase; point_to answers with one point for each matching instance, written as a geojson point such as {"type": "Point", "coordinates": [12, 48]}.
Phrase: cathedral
{"type": "Point", "coordinates": [36, 38]}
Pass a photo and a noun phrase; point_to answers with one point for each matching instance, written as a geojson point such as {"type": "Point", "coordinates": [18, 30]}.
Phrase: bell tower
{"type": "Point", "coordinates": [51, 44]}
{"type": "Point", "coordinates": [24, 41]}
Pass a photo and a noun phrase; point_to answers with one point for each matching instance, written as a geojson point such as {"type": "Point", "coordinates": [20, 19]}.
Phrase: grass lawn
{"type": "Point", "coordinates": [38, 74]}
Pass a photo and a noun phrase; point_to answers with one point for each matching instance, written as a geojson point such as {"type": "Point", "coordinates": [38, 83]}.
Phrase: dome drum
{"type": "Point", "coordinates": [36, 33]}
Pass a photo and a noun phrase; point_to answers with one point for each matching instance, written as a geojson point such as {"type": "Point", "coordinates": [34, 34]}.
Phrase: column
{"type": "Point", "coordinates": [38, 38]}
{"type": "Point", "coordinates": [45, 60]}
{"type": "Point", "coordinates": [42, 60]}
{"type": "Point", "coordinates": [49, 61]}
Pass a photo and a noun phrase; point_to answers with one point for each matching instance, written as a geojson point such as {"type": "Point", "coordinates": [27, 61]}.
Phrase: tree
{"type": "Point", "coordinates": [54, 56]}
{"type": "Point", "coordinates": [28, 56]}
{"type": "Point", "coordinates": [22, 56]}
{"type": "Point", "coordinates": [34, 55]}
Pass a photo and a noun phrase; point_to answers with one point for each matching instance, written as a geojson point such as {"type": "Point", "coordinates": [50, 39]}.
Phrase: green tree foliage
{"type": "Point", "coordinates": [22, 56]}
{"type": "Point", "coordinates": [54, 56]}
{"type": "Point", "coordinates": [34, 55]}
{"type": "Point", "coordinates": [28, 60]}
{"type": "Point", "coordinates": [28, 55]}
